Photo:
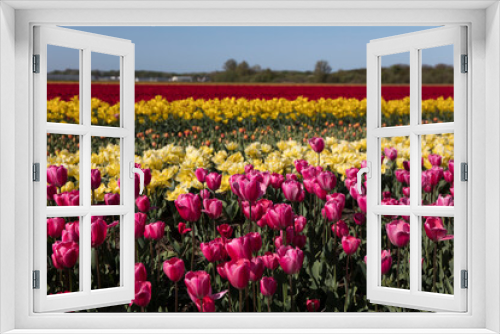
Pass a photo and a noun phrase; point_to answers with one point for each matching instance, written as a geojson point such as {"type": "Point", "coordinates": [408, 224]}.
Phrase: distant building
{"type": "Point", "coordinates": [182, 78]}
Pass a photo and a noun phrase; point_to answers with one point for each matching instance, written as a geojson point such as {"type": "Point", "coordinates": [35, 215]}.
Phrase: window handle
{"type": "Point", "coordinates": [365, 170]}
{"type": "Point", "coordinates": [139, 171]}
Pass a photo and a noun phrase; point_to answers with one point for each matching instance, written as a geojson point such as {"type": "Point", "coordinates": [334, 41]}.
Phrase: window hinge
{"type": "Point", "coordinates": [36, 172]}
{"type": "Point", "coordinates": [36, 63]}
{"type": "Point", "coordinates": [464, 171]}
{"type": "Point", "coordinates": [36, 279]}
{"type": "Point", "coordinates": [465, 64]}
{"type": "Point", "coordinates": [465, 279]}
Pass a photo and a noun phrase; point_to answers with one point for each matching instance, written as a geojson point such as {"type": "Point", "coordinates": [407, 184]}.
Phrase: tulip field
{"type": "Point", "coordinates": [250, 200]}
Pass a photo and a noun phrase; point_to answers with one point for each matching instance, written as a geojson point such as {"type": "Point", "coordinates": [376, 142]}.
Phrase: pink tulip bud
{"type": "Point", "coordinates": [299, 240]}
{"type": "Point", "coordinates": [293, 191]}
{"type": "Point", "coordinates": [225, 230]}
{"type": "Point", "coordinates": [198, 284]}
{"type": "Point", "coordinates": [174, 269]}
{"type": "Point", "coordinates": [291, 260]}
{"type": "Point", "coordinates": [182, 229]}
{"type": "Point", "coordinates": [255, 240]}
{"type": "Point", "coordinates": [319, 192]}
{"type": "Point", "coordinates": [280, 217]}
{"type": "Point", "coordinates": [112, 199]}
{"type": "Point", "coordinates": [221, 269]}
{"type": "Point", "coordinates": [317, 144]}
{"type": "Point", "coordinates": [57, 175]}
{"type": "Point", "coordinates": [205, 194]}
{"type": "Point", "coordinates": [51, 191]}
{"type": "Point", "coordinates": [277, 180]}
{"type": "Point", "coordinates": [213, 181]}
{"type": "Point", "coordinates": [213, 251]}
{"type": "Point", "coordinates": [189, 206]}
{"type": "Point", "coordinates": [406, 165]}
{"type": "Point", "coordinates": [398, 232]}
{"type": "Point", "coordinates": [451, 166]}
{"type": "Point", "coordinates": [391, 153]}
{"type": "Point", "coordinates": [238, 272]}
{"type": "Point", "coordinates": [147, 176]}
{"type": "Point", "coordinates": [300, 165]}
{"type": "Point", "coordinates": [327, 180]}
{"type": "Point", "coordinates": [143, 203]}
{"type": "Point", "coordinates": [213, 208]}
{"type": "Point", "coordinates": [359, 218]}
{"type": "Point", "coordinates": [351, 173]}
{"type": "Point", "coordinates": [448, 176]}
{"type": "Point", "coordinates": [99, 230]}
{"type": "Point", "coordinates": [311, 172]}
{"type": "Point", "coordinates": [140, 224]}
{"type": "Point", "coordinates": [140, 272]}
{"type": "Point", "coordinates": [55, 226]}
{"type": "Point", "coordinates": [362, 203]}
{"type": "Point", "coordinates": [435, 230]}
{"type": "Point", "coordinates": [312, 305]}
{"type": "Point", "coordinates": [64, 254]}
{"type": "Point", "coordinates": [95, 178]}
{"type": "Point", "coordinates": [249, 189]}
{"type": "Point", "coordinates": [257, 210]}
{"type": "Point", "coordinates": [350, 244]}
{"type": "Point", "coordinates": [406, 191]}
{"type": "Point", "coordinates": [154, 231]}
{"type": "Point", "coordinates": [340, 228]}
{"type": "Point", "coordinates": [239, 248]}
{"type": "Point", "coordinates": [248, 168]}
{"type": "Point", "coordinates": [386, 260]}
{"type": "Point", "coordinates": [268, 286]}
{"type": "Point", "coordinates": [446, 200]}
{"type": "Point", "coordinates": [200, 174]}
{"type": "Point", "coordinates": [142, 293]}
{"type": "Point", "coordinates": [435, 159]}
{"type": "Point", "coordinates": [300, 222]}
{"type": "Point", "coordinates": [69, 198]}
{"type": "Point", "coordinates": [256, 269]}
{"type": "Point", "coordinates": [270, 260]}
{"type": "Point", "coordinates": [71, 232]}
{"type": "Point", "coordinates": [333, 210]}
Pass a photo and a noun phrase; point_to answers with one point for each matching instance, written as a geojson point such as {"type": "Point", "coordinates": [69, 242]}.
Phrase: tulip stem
{"type": "Point", "coordinates": [152, 255]}
{"type": "Point", "coordinates": [335, 256]}
{"type": "Point", "coordinates": [292, 301]}
{"type": "Point", "coordinates": [70, 280]}
{"type": "Point", "coordinates": [229, 297]}
{"type": "Point", "coordinates": [254, 297]}
{"type": "Point", "coordinates": [247, 301]}
{"type": "Point", "coordinates": [434, 270]}
{"type": "Point", "coordinates": [269, 304]}
{"type": "Point", "coordinates": [397, 268]}
{"type": "Point", "coordinates": [97, 267]}
{"type": "Point", "coordinates": [241, 300]}
{"type": "Point", "coordinates": [176, 296]}
{"type": "Point", "coordinates": [215, 230]}
{"type": "Point", "coordinates": [250, 216]}
{"type": "Point", "coordinates": [192, 246]}
{"type": "Point", "coordinates": [347, 281]}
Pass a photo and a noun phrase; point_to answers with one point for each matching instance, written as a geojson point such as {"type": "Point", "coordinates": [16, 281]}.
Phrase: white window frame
{"type": "Point", "coordinates": [483, 21]}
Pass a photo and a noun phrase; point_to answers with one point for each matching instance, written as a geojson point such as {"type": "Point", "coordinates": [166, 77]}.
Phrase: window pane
{"type": "Point", "coordinates": [105, 174]}
{"type": "Point", "coordinates": [63, 254]}
{"type": "Point", "coordinates": [105, 89]}
{"type": "Point", "coordinates": [395, 103]}
{"type": "Point", "coordinates": [438, 169]}
{"type": "Point", "coordinates": [395, 171]}
{"type": "Point", "coordinates": [63, 85]}
{"type": "Point", "coordinates": [105, 232]}
{"type": "Point", "coordinates": [63, 170]}
{"type": "Point", "coordinates": [437, 254]}
{"type": "Point", "coordinates": [395, 253]}
{"type": "Point", "coordinates": [437, 84]}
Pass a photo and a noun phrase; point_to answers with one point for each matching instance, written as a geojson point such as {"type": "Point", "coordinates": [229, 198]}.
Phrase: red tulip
{"type": "Point", "coordinates": [95, 178]}
{"type": "Point", "coordinates": [317, 144]}
{"type": "Point", "coordinates": [268, 286]}
{"type": "Point", "coordinates": [238, 272]}
{"type": "Point", "coordinates": [280, 217]}
{"type": "Point", "coordinates": [398, 232]}
{"type": "Point", "coordinates": [64, 254]}
{"type": "Point", "coordinates": [69, 198]}
{"type": "Point", "coordinates": [270, 260]}
{"type": "Point", "coordinates": [140, 224]}
{"type": "Point", "coordinates": [140, 272]}
{"type": "Point", "coordinates": [340, 228]}
{"type": "Point", "coordinates": [154, 231]}
{"type": "Point", "coordinates": [391, 153]}
{"type": "Point", "coordinates": [213, 181]}
{"type": "Point", "coordinates": [51, 191]}
{"type": "Point", "coordinates": [225, 230]}
{"type": "Point", "coordinates": [198, 284]}
{"type": "Point", "coordinates": [350, 244]}
{"type": "Point", "coordinates": [201, 174]}
{"type": "Point", "coordinates": [213, 251]}
{"type": "Point", "coordinates": [291, 259]}
{"type": "Point", "coordinates": [312, 305]}
{"type": "Point", "coordinates": [71, 232]}
{"type": "Point", "coordinates": [213, 208]}
{"type": "Point", "coordinates": [143, 203]}
{"type": "Point", "coordinates": [239, 248]}
{"type": "Point", "coordinates": [327, 180]}
{"type": "Point", "coordinates": [142, 293]}
{"type": "Point", "coordinates": [189, 206]}
{"type": "Point", "coordinates": [174, 269]}
{"type": "Point", "coordinates": [435, 230]}
{"type": "Point", "coordinates": [112, 199]}
{"type": "Point", "coordinates": [57, 175]}
{"type": "Point", "coordinates": [55, 226]}
{"type": "Point", "coordinates": [277, 180]}
{"type": "Point", "coordinates": [293, 191]}
{"type": "Point", "coordinates": [182, 229]}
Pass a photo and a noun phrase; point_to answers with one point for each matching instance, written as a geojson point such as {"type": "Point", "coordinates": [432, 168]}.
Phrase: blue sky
{"type": "Point", "coordinates": [191, 49]}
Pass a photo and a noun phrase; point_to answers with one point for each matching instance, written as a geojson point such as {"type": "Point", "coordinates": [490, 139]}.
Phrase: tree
{"type": "Point", "coordinates": [243, 69]}
{"type": "Point", "coordinates": [321, 71]}
{"type": "Point", "coordinates": [230, 65]}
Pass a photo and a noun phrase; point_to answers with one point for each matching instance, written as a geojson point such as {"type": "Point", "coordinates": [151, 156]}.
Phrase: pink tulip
{"type": "Point", "coordinates": [99, 231]}
{"type": "Point", "coordinates": [71, 232]}
{"type": "Point", "coordinates": [213, 208]}
{"type": "Point", "coordinates": [386, 260]}
{"type": "Point", "coordinates": [451, 166]}
{"type": "Point", "coordinates": [57, 175]}
{"type": "Point", "coordinates": [435, 159]}
{"type": "Point", "coordinates": [280, 217]}
{"type": "Point", "coordinates": [391, 153]}
{"type": "Point", "coordinates": [64, 254]}
{"type": "Point", "coordinates": [249, 189]}
{"type": "Point", "coordinates": [398, 232]}
{"type": "Point", "coordinates": [406, 191]}
{"type": "Point", "coordinates": [312, 305]}
{"type": "Point", "coordinates": [182, 228]}
{"type": "Point", "coordinates": [299, 223]}
{"type": "Point", "coordinates": [200, 174]}
{"type": "Point", "coordinates": [205, 194]}
{"type": "Point", "coordinates": [403, 176]}
{"type": "Point", "coordinates": [225, 230]}
{"type": "Point", "coordinates": [213, 250]}
{"type": "Point", "coordinates": [300, 240]}
{"type": "Point", "coordinates": [291, 260]}
{"type": "Point", "coordinates": [317, 144]}
{"type": "Point", "coordinates": [435, 230]}
{"type": "Point", "coordinates": [221, 269]}
{"type": "Point", "coordinates": [359, 218]}
{"type": "Point", "coordinates": [248, 168]}
{"type": "Point", "coordinates": [69, 198]}
{"type": "Point", "coordinates": [300, 165]}
{"type": "Point", "coordinates": [311, 172]}
{"type": "Point", "coordinates": [147, 176]}
{"type": "Point", "coordinates": [55, 226]}
{"type": "Point", "coordinates": [51, 191]}
{"type": "Point", "coordinates": [255, 240]}
{"type": "Point", "coordinates": [319, 192]}
{"type": "Point", "coordinates": [332, 210]}
{"type": "Point", "coordinates": [112, 199]}
{"type": "Point", "coordinates": [238, 272]}
{"type": "Point", "coordinates": [95, 178]}
{"type": "Point", "coordinates": [268, 286]}
{"type": "Point", "coordinates": [140, 224]}
{"type": "Point", "coordinates": [154, 231]}
{"type": "Point", "coordinates": [143, 203]}
{"type": "Point", "coordinates": [198, 284]}
{"type": "Point", "coordinates": [293, 191]}
{"type": "Point", "coordinates": [277, 180]}
{"type": "Point", "coordinates": [174, 269]}
{"type": "Point", "coordinates": [406, 165]}
{"type": "Point", "coordinates": [448, 176]}
{"type": "Point", "coordinates": [446, 200]}
{"type": "Point", "coordinates": [340, 228]}
{"type": "Point", "coordinates": [270, 260]}
{"type": "Point", "coordinates": [351, 173]}
{"type": "Point", "coordinates": [213, 181]}
{"type": "Point", "coordinates": [327, 180]}
{"type": "Point", "coordinates": [142, 293]}
{"type": "Point", "coordinates": [257, 210]}
{"type": "Point", "coordinates": [256, 269]}
{"type": "Point", "coordinates": [239, 248]}
{"type": "Point", "coordinates": [362, 203]}
{"type": "Point", "coordinates": [189, 206]}
{"type": "Point", "coordinates": [339, 197]}
{"type": "Point", "coordinates": [350, 244]}
{"type": "Point", "coordinates": [140, 272]}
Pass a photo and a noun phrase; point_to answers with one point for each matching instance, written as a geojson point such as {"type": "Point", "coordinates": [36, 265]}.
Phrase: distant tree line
{"type": "Point", "coordinates": [232, 71]}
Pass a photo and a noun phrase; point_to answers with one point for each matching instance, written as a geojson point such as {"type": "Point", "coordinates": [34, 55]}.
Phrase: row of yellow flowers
{"type": "Point", "coordinates": [240, 109]}
{"type": "Point", "coordinates": [173, 166]}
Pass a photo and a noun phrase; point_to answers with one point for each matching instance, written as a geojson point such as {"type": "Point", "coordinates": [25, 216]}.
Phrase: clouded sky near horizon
{"type": "Point", "coordinates": [197, 49]}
